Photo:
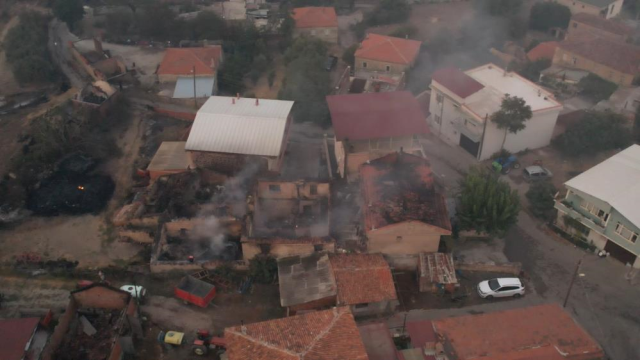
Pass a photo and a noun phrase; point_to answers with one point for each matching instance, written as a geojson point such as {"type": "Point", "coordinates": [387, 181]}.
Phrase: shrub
{"type": "Point", "coordinates": [349, 55]}
{"type": "Point", "coordinates": [598, 131]}
{"type": "Point", "coordinates": [263, 269]}
{"type": "Point", "coordinates": [596, 88]}
{"type": "Point", "coordinates": [541, 202]}
{"type": "Point", "coordinates": [405, 31]}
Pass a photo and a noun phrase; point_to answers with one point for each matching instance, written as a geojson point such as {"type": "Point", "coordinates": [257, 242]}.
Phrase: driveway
{"type": "Point", "coordinates": [603, 301]}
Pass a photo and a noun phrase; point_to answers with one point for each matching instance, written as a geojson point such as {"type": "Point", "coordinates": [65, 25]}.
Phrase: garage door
{"type": "Point", "coordinates": [619, 253]}
{"type": "Point", "coordinates": [469, 145]}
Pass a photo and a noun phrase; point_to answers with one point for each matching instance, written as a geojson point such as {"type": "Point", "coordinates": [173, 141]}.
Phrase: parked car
{"type": "Point", "coordinates": [331, 62]}
{"type": "Point", "coordinates": [536, 173]}
{"type": "Point", "coordinates": [501, 287]}
{"type": "Point", "coordinates": [138, 292]}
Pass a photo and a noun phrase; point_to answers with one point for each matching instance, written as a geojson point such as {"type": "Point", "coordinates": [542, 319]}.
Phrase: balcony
{"type": "Point", "coordinates": [566, 208]}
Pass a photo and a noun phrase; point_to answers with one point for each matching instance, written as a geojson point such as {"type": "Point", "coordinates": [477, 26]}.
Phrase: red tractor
{"type": "Point", "coordinates": [205, 342]}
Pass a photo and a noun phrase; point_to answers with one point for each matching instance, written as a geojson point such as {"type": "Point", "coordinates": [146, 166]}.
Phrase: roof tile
{"type": "Point", "coordinates": [544, 50]}
{"type": "Point", "coordinates": [315, 17]}
{"type": "Point", "coordinates": [596, 21]}
{"type": "Point", "coordinates": [181, 61]}
{"type": "Point", "coordinates": [457, 81]}
{"type": "Point", "coordinates": [388, 49]}
{"type": "Point", "coordinates": [362, 278]}
{"type": "Point", "coordinates": [616, 55]}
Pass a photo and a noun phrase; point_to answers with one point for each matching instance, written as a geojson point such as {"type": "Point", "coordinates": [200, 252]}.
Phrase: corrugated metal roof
{"type": "Point", "coordinates": [239, 126]}
{"type": "Point", "coordinates": [184, 87]}
{"type": "Point", "coordinates": [615, 181]}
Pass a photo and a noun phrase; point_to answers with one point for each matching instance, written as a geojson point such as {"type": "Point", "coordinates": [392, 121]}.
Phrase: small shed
{"type": "Point", "coordinates": [436, 271]}
{"type": "Point", "coordinates": [171, 158]}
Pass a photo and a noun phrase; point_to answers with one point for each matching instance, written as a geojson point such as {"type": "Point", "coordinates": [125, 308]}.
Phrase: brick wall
{"type": "Point", "coordinates": [319, 304]}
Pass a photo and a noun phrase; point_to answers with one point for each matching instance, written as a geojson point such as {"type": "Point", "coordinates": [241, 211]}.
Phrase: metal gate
{"type": "Point", "coordinates": [469, 145]}
{"type": "Point", "coordinates": [619, 253]}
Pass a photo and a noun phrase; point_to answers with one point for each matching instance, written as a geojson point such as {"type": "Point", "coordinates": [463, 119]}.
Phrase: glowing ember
{"type": "Point", "coordinates": [80, 187]}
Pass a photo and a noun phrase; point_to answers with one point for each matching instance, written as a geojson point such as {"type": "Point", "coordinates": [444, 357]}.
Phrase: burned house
{"type": "Point", "coordinates": [194, 244]}
{"type": "Point", "coordinates": [171, 158]}
{"type": "Point", "coordinates": [100, 322]}
{"type": "Point", "coordinates": [403, 212]}
{"type": "Point", "coordinates": [98, 63]}
{"type": "Point", "coordinates": [288, 218]}
{"type": "Point", "coordinates": [229, 133]}
{"type": "Point", "coordinates": [362, 282]}
{"type": "Point", "coordinates": [97, 95]}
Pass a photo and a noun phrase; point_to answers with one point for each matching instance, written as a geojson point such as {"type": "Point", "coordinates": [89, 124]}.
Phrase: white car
{"type": "Point", "coordinates": [501, 287]}
{"type": "Point", "coordinates": [138, 292]}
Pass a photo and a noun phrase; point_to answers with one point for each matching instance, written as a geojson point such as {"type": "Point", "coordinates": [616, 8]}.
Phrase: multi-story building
{"type": "Point", "coordinates": [604, 8]}
{"type": "Point", "coordinates": [385, 55]}
{"type": "Point", "coordinates": [600, 206]}
{"type": "Point", "coordinates": [588, 25]}
{"type": "Point", "coordinates": [462, 104]}
{"type": "Point", "coordinates": [317, 22]}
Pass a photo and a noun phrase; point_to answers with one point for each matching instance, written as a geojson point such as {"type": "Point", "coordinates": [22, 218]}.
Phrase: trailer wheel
{"type": "Point", "coordinates": [199, 350]}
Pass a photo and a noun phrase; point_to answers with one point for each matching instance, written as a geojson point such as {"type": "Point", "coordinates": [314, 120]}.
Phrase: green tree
{"type": "Point", "coordinates": [306, 82]}
{"type": "Point", "coordinates": [405, 31]}
{"type": "Point", "coordinates": [231, 75]}
{"type": "Point", "coordinates": [541, 200]}
{"type": "Point", "coordinates": [547, 15]}
{"type": "Point", "coordinates": [596, 88]}
{"type": "Point", "coordinates": [511, 117]}
{"type": "Point", "coordinates": [207, 25]}
{"type": "Point", "coordinates": [388, 12]}
{"type": "Point", "coordinates": [263, 269]}
{"type": "Point", "coordinates": [597, 131]}
{"type": "Point", "coordinates": [487, 204]}
{"type": "Point", "coordinates": [503, 7]}
{"type": "Point", "coordinates": [349, 55]}
{"type": "Point", "coordinates": [119, 24]}
{"type": "Point", "coordinates": [160, 23]}
{"type": "Point", "coordinates": [69, 11]}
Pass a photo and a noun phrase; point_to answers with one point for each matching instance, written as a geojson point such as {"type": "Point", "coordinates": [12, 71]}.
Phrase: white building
{"type": "Point", "coordinates": [462, 104]}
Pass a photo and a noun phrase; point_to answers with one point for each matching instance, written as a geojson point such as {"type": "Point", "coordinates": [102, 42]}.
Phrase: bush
{"type": "Point", "coordinates": [349, 55]}
{"type": "Point", "coordinates": [541, 201]}
{"type": "Point", "coordinates": [547, 15]}
{"type": "Point", "coordinates": [596, 88]}
{"type": "Point", "coordinates": [27, 51]}
{"type": "Point", "coordinates": [69, 11]}
{"type": "Point", "coordinates": [598, 131]}
{"type": "Point", "coordinates": [263, 269]}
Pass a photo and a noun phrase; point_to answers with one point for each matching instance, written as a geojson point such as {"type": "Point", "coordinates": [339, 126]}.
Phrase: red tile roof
{"type": "Point", "coordinates": [616, 55]}
{"type": "Point", "coordinates": [362, 278]}
{"type": "Point", "coordinates": [388, 49]}
{"type": "Point", "coordinates": [544, 332]}
{"type": "Point", "coordinates": [180, 61]}
{"type": "Point", "coordinates": [315, 17]}
{"type": "Point", "coordinates": [14, 336]}
{"type": "Point", "coordinates": [457, 81]}
{"type": "Point", "coordinates": [544, 50]}
{"type": "Point", "coordinates": [320, 335]}
{"type": "Point", "coordinates": [398, 188]}
{"type": "Point", "coordinates": [612, 26]}
{"type": "Point", "coordinates": [376, 115]}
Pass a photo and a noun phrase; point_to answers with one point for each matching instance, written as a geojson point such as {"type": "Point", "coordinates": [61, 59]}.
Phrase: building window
{"type": "Point", "coordinates": [274, 188]}
{"type": "Point", "coordinates": [313, 189]}
{"type": "Point", "coordinates": [265, 249]}
{"type": "Point", "coordinates": [592, 209]}
{"type": "Point", "coordinates": [362, 306]}
{"type": "Point", "coordinates": [437, 119]}
{"type": "Point", "coordinates": [364, 64]}
{"type": "Point", "coordinates": [574, 60]}
{"type": "Point", "coordinates": [313, 32]}
{"type": "Point", "coordinates": [626, 233]}
{"type": "Point", "coordinates": [326, 32]}
{"type": "Point", "coordinates": [318, 247]}
{"type": "Point", "coordinates": [439, 98]}
{"type": "Point", "coordinates": [388, 68]}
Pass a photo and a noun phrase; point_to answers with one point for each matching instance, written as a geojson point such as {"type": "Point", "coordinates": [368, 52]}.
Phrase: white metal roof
{"type": "Point", "coordinates": [184, 87]}
{"type": "Point", "coordinates": [239, 126]}
{"type": "Point", "coordinates": [497, 84]}
{"type": "Point", "coordinates": [615, 181]}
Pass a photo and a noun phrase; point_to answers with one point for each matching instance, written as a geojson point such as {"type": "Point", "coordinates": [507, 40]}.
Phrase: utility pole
{"type": "Point", "coordinates": [195, 101]}
{"type": "Point", "coordinates": [573, 279]}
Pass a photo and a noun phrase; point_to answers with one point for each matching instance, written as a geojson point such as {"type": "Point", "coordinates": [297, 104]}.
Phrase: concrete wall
{"type": "Point", "coordinates": [380, 66]}
{"type": "Point", "coordinates": [536, 134]}
{"type": "Point", "coordinates": [251, 249]}
{"type": "Point", "coordinates": [577, 29]}
{"type": "Point", "coordinates": [172, 78]}
{"type": "Point", "coordinates": [565, 58]}
{"type": "Point", "coordinates": [411, 237]}
{"type": "Point", "coordinates": [292, 190]}
{"type": "Point", "coordinates": [508, 268]}
{"type": "Point", "coordinates": [577, 6]}
{"type": "Point", "coordinates": [319, 304]}
{"type": "Point", "coordinates": [377, 308]}
{"type": "Point", "coordinates": [386, 145]}
{"type": "Point", "coordinates": [329, 35]}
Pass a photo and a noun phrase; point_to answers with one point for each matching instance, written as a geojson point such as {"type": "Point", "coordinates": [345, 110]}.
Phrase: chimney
{"type": "Point", "coordinates": [97, 44]}
{"type": "Point", "coordinates": [238, 96]}
{"type": "Point", "coordinates": [257, 102]}
{"type": "Point", "coordinates": [233, 101]}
